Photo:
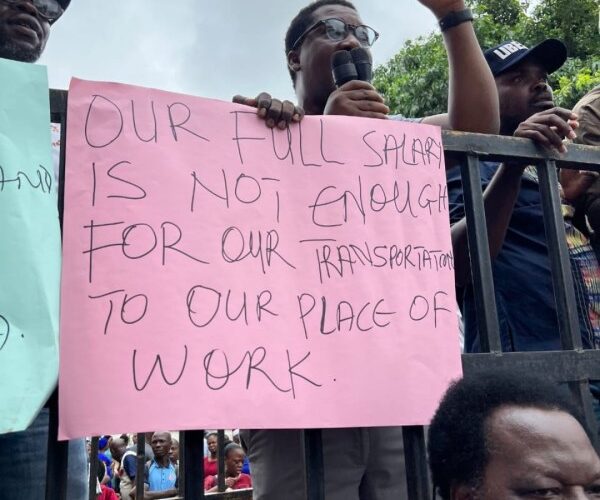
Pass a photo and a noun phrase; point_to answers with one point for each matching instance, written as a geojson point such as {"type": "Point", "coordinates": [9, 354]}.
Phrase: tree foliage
{"type": "Point", "coordinates": [415, 80]}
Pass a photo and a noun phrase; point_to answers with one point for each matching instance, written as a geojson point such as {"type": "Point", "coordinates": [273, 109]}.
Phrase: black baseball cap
{"type": "Point", "coordinates": [552, 53]}
{"type": "Point", "coordinates": [64, 3]}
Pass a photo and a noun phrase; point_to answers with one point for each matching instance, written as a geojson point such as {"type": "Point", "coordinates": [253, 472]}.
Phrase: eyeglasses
{"type": "Point", "coordinates": [337, 30]}
{"type": "Point", "coordinates": [50, 10]}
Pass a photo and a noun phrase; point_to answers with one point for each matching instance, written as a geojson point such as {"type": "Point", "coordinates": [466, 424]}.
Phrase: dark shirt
{"type": "Point", "coordinates": [522, 275]}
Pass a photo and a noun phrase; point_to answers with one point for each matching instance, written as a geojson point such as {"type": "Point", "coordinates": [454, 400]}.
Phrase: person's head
{"type": "Point", "coordinates": [118, 446]}
{"type": "Point", "coordinates": [212, 442]}
{"type": "Point", "coordinates": [522, 78]}
{"type": "Point", "coordinates": [174, 451]}
{"type": "Point", "coordinates": [125, 437]}
{"type": "Point", "coordinates": [508, 435]}
{"type": "Point", "coordinates": [161, 444]}
{"type": "Point", "coordinates": [103, 443]}
{"type": "Point", "coordinates": [310, 44]}
{"type": "Point", "coordinates": [25, 27]}
{"type": "Point", "coordinates": [234, 459]}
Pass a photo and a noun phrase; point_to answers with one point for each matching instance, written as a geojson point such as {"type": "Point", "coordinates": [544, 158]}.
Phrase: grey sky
{"type": "Point", "coordinates": [211, 48]}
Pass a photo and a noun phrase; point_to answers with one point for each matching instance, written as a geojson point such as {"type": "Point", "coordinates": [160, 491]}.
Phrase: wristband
{"type": "Point", "coordinates": [455, 18]}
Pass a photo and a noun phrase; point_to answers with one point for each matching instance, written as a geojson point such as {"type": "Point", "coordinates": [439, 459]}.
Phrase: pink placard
{"type": "Point", "coordinates": [218, 274]}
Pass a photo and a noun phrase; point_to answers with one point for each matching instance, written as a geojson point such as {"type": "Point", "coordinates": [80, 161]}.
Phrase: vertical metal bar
{"type": "Point", "coordinates": [93, 477]}
{"type": "Point", "coordinates": [221, 459]}
{"type": "Point", "coordinates": [140, 466]}
{"type": "Point", "coordinates": [57, 463]}
{"type": "Point", "coordinates": [181, 465]}
{"type": "Point", "coordinates": [313, 463]}
{"type": "Point", "coordinates": [479, 255]}
{"type": "Point", "coordinates": [562, 279]}
{"type": "Point", "coordinates": [415, 458]}
{"type": "Point", "coordinates": [193, 464]}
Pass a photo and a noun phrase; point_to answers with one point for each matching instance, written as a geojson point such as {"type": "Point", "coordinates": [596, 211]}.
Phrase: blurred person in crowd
{"type": "Point", "coordinates": [174, 452]}
{"type": "Point", "coordinates": [515, 223]}
{"type": "Point", "coordinates": [211, 465]}
{"type": "Point", "coordinates": [104, 454]}
{"type": "Point", "coordinates": [360, 463]}
{"type": "Point", "coordinates": [160, 475]}
{"type": "Point", "coordinates": [582, 188]}
{"type": "Point", "coordinates": [235, 479]}
{"type": "Point", "coordinates": [104, 446]}
{"type": "Point", "coordinates": [147, 446]}
{"type": "Point", "coordinates": [24, 30]}
{"type": "Point", "coordinates": [106, 493]}
{"type": "Point", "coordinates": [506, 435]}
{"type": "Point", "coordinates": [124, 466]}
{"type": "Point", "coordinates": [237, 440]}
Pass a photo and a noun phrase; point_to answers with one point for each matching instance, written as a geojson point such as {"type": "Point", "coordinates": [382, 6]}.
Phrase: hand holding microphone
{"type": "Point", "coordinates": [355, 96]}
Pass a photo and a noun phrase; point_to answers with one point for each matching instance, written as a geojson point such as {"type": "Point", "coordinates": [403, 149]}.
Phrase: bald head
{"type": "Point", "coordinates": [117, 448]}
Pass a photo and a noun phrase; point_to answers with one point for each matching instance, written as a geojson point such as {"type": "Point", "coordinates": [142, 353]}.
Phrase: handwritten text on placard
{"type": "Point", "coordinates": [218, 273]}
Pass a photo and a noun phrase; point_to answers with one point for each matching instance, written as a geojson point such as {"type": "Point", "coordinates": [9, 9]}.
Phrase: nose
{"type": "Point", "coordinates": [541, 85]}
{"type": "Point", "coordinates": [350, 42]}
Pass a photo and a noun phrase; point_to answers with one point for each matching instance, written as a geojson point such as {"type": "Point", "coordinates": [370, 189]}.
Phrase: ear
{"type": "Point", "coordinates": [293, 60]}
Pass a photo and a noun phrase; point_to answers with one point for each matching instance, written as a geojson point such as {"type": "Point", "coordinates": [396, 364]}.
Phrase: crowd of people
{"type": "Point", "coordinates": [499, 436]}
{"type": "Point", "coordinates": [117, 465]}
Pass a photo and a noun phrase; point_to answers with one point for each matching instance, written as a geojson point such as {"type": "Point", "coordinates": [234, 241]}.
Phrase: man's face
{"type": "Point", "coordinates": [161, 444]}
{"type": "Point", "coordinates": [234, 462]}
{"type": "Point", "coordinates": [523, 91]}
{"type": "Point", "coordinates": [538, 454]}
{"type": "Point", "coordinates": [23, 32]}
{"type": "Point", "coordinates": [313, 72]}
{"type": "Point", "coordinates": [211, 443]}
{"type": "Point", "coordinates": [174, 452]}
{"type": "Point", "coordinates": [117, 448]}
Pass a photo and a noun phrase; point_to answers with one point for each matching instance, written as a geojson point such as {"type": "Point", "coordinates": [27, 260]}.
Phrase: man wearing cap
{"type": "Point", "coordinates": [24, 30]}
{"type": "Point", "coordinates": [521, 265]}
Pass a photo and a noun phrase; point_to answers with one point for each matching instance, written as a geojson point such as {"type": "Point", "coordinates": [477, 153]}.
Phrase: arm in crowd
{"type": "Point", "coordinates": [546, 128]}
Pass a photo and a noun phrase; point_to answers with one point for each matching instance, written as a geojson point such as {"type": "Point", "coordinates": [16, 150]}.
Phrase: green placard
{"type": "Point", "coordinates": [29, 246]}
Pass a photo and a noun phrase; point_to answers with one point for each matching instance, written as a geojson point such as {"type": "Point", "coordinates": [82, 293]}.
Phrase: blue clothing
{"type": "Point", "coordinates": [108, 462]}
{"type": "Point", "coordinates": [160, 478]}
{"type": "Point", "coordinates": [130, 466]}
{"type": "Point", "coordinates": [246, 466]}
{"type": "Point", "coordinates": [522, 275]}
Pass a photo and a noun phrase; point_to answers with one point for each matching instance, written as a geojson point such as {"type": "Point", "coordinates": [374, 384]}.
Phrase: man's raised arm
{"type": "Point", "coordinates": [472, 94]}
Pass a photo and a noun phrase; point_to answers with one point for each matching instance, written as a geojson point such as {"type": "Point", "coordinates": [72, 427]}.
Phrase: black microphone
{"type": "Point", "coordinates": [363, 62]}
{"type": "Point", "coordinates": [343, 67]}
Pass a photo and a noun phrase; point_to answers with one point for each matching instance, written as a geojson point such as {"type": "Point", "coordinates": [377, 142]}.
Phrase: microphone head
{"type": "Point", "coordinates": [364, 63]}
{"type": "Point", "coordinates": [343, 67]}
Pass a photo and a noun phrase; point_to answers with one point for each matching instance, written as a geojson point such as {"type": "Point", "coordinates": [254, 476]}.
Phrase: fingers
{"type": "Point", "coordinates": [274, 111]}
{"type": "Point", "coordinates": [263, 103]}
{"type": "Point", "coordinates": [357, 85]}
{"type": "Point", "coordinates": [549, 128]}
{"type": "Point", "coordinates": [373, 106]}
{"type": "Point", "coordinates": [246, 101]}
{"type": "Point", "coordinates": [363, 95]}
{"type": "Point", "coordinates": [542, 134]}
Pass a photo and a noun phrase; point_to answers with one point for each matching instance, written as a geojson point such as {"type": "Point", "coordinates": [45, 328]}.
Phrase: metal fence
{"type": "Point", "coordinates": [571, 365]}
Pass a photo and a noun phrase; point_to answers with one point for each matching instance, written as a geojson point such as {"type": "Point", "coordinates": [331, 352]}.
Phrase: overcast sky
{"type": "Point", "coordinates": [210, 48]}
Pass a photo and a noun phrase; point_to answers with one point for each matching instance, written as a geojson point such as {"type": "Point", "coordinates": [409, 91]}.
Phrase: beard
{"type": "Point", "coordinates": [11, 49]}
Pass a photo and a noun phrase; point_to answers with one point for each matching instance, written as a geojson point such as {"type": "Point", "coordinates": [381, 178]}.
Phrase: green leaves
{"type": "Point", "coordinates": [415, 81]}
